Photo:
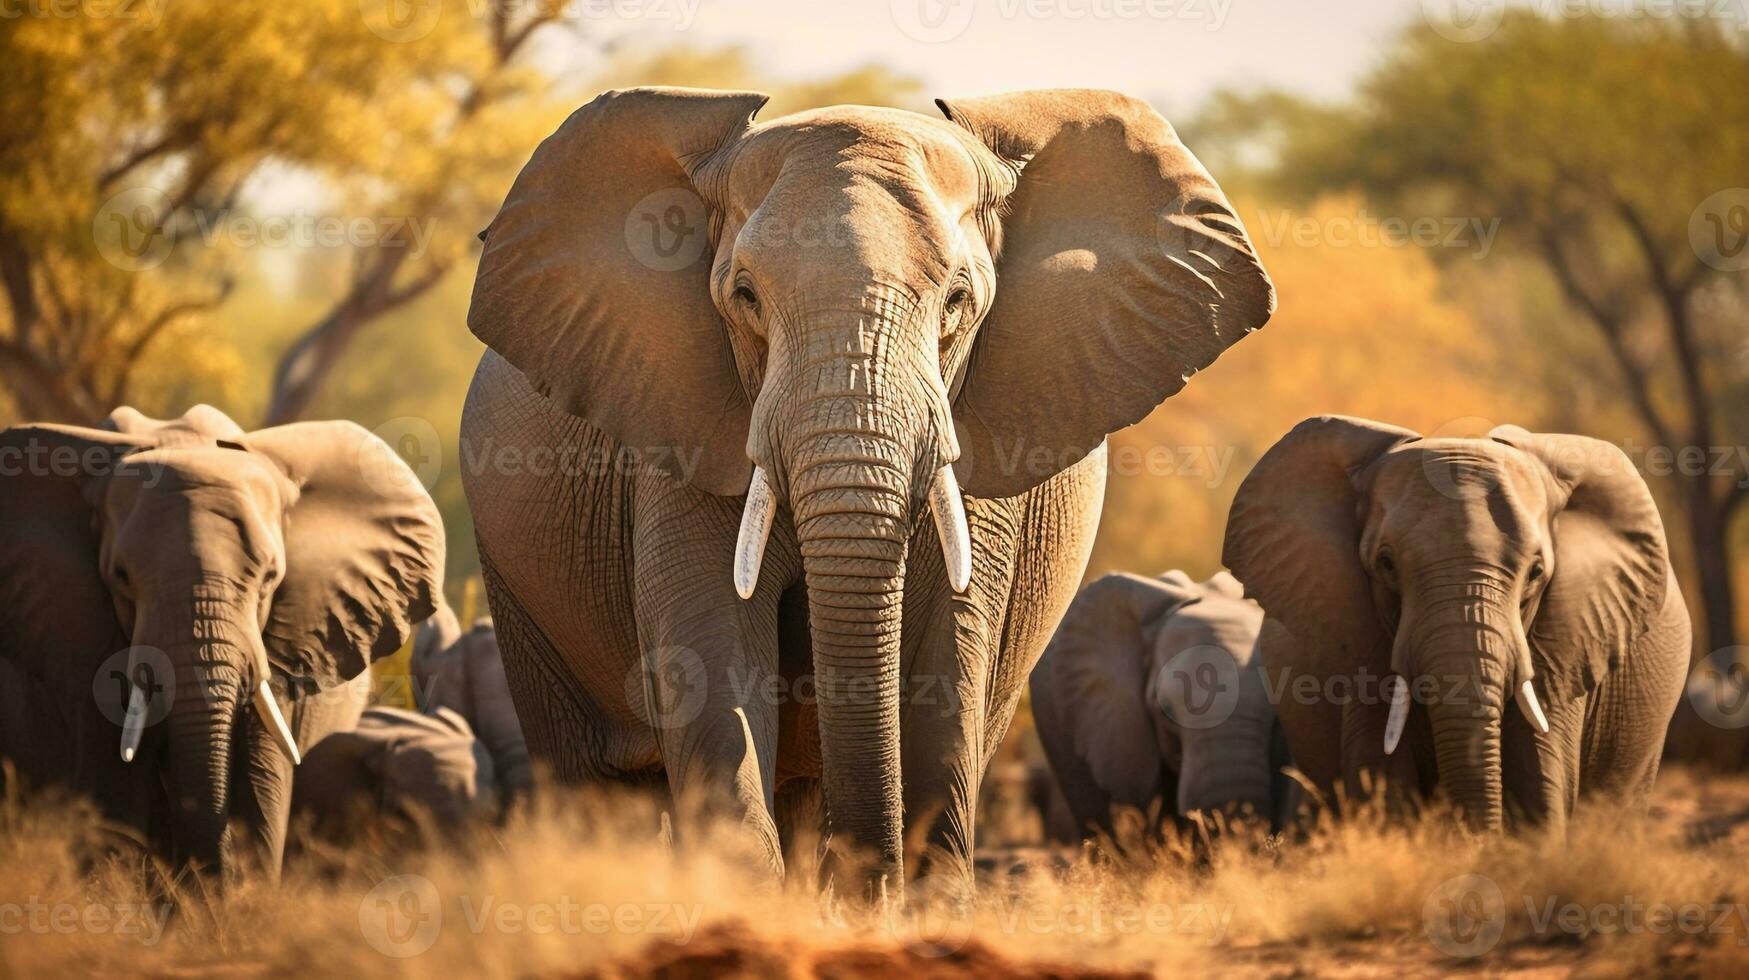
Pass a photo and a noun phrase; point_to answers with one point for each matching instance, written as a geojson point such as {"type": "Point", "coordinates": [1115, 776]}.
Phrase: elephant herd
{"type": "Point", "coordinates": [720, 586]}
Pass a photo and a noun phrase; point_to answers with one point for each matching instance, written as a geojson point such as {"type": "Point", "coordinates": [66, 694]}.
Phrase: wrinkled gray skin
{"type": "Point", "coordinates": [1149, 698]}
{"type": "Point", "coordinates": [397, 768]}
{"type": "Point", "coordinates": [295, 555]}
{"type": "Point", "coordinates": [875, 298]}
{"type": "Point", "coordinates": [464, 672]}
{"type": "Point", "coordinates": [1469, 567]}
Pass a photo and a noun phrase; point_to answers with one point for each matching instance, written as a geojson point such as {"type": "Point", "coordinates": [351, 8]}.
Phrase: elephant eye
{"type": "Point", "coordinates": [745, 296]}
{"type": "Point", "coordinates": [1385, 567]}
{"type": "Point", "coordinates": [958, 298]}
{"type": "Point", "coordinates": [1536, 571]}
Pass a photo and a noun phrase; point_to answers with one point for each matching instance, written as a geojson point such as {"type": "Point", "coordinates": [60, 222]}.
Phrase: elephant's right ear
{"type": "Point", "coordinates": [1293, 536]}
{"type": "Point", "coordinates": [594, 280]}
{"type": "Point", "coordinates": [1123, 271]}
{"type": "Point", "coordinates": [51, 481]}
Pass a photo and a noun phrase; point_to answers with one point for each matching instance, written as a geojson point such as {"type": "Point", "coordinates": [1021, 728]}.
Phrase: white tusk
{"type": "Point", "coordinates": [755, 529]}
{"type": "Point", "coordinates": [268, 709]}
{"type": "Point", "coordinates": [1399, 712]}
{"type": "Point", "coordinates": [134, 724]}
{"type": "Point", "coordinates": [1533, 712]}
{"type": "Point", "coordinates": [950, 527]}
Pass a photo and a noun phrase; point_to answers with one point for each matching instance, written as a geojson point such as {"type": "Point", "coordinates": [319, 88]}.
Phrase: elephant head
{"type": "Point", "coordinates": [1150, 691]}
{"type": "Point", "coordinates": [1469, 572]}
{"type": "Point", "coordinates": [396, 767]}
{"type": "Point", "coordinates": [238, 570]}
{"type": "Point", "coordinates": [851, 313]}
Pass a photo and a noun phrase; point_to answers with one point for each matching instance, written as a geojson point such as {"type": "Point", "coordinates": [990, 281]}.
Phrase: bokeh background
{"type": "Point", "coordinates": [1475, 211]}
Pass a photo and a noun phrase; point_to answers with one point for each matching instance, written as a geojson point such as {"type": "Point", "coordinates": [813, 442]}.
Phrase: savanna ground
{"type": "Point", "coordinates": [579, 887]}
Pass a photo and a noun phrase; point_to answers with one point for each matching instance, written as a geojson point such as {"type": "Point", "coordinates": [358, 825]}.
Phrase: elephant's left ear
{"type": "Point", "coordinates": [1611, 562]}
{"type": "Point", "coordinates": [1123, 271]}
{"type": "Point", "coordinates": [364, 551]}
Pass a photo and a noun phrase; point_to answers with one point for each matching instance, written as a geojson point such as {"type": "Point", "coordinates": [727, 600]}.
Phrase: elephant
{"type": "Point", "coordinates": [396, 769]}
{"type": "Point", "coordinates": [1149, 698]}
{"type": "Point", "coordinates": [731, 364]}
{"type": "Point", "coordinates": [464, 672]}
{"type": "Point", "coordinates": [184, 604]}
{"type": "Point", "coordinates": [1415, 585]}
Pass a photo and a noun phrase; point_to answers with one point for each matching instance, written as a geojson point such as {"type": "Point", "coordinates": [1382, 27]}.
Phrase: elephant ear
{"type": "Point", "coordinates": [60, 608]}
{"type": "Point", "coordinates": [1097, 669]}
{"type": "Point", "coordinates": [1123, 270]}
{"type": "Point", "coordinates": [594, 280]}
{"type": "Point", "coordinates": [1293, 535]}
{"type": "Point", "coordinates": [1611, 560]}
{"type": "Point", "coordinates": [364, 551]}
{"type": "Point", "coordinates": [198, 424]}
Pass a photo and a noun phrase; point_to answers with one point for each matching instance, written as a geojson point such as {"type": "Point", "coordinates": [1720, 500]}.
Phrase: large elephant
{"type": "Point", "coordinates": [1149, 698]}
{"type": "Point", "coordinates": [464, 672]}
{"type": "Point", "coordinates": [747, 358]}
{"type": "Point", "coordinates": [1426, 584]}
{"type": "Point", "coordinates": [172, 592]}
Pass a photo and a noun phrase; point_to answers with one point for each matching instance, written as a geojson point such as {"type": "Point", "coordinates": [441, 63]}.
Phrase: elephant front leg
{"type": "Point", "coordinates": [708, 671]}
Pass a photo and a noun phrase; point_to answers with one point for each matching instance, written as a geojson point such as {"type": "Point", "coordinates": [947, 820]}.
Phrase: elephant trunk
{"type": "Point", "coordinates": [1228, 771]}
{"type": "Point", "coordinates": [851, 431]}
{"type": "Point", "coordinates": [1469, 643]}
{"type": "Point", "coordinates": [215, 662]}
{"type": "Point", "coordinates": [851, 523]}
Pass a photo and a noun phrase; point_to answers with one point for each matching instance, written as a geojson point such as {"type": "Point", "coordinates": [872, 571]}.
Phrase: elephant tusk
{"type": "Point", "coordinates": [133, 725]}
{"type": "Point", "coordinates": [950, 527]}
{"type": "Point", "coordinates": [755, 530]}
{"type": "Point", "coordinates": [268, 709]}
{"type": "Point", "coordinates": [1533, 712]}
{"type": "Point", "coordinates": [1399, 712]}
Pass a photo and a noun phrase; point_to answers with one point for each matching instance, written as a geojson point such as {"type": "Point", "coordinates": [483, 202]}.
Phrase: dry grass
{"type": "Point", "coordinates": [583, 887]}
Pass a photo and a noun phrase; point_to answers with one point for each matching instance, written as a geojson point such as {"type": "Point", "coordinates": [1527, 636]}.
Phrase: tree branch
{"type": "Point", "coordinates": [1639, 385]}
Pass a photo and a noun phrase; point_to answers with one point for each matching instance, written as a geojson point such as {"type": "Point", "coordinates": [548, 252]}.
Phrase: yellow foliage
{"type": "Point", "coordinates": [1362, 329]}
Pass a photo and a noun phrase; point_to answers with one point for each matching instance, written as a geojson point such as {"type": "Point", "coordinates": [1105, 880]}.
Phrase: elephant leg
{"type": "Point", "coordinates": [974, 651]}
{"type": "Point", "coordinates": [1541, 772]}
{"type": "Point", "coordinates": [800, 812]}
{"type": "Point", "coordinates": [710, 658]}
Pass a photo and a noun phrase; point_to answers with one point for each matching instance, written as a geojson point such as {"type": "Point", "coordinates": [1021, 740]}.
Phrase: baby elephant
{"type": "Point", "coordinates": [1498, 614]}
{"type": "Point", "coordinates": [397, 768]}
{"type": "Point", "coordinates": [464, 672]}
{"type": "Point", "coordinates": [1149, 697]}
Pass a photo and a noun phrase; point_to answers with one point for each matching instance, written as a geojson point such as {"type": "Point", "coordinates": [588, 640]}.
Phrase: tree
{"type": "Point", "coordinates": [1609, 149]}
{"type": "Point", "coordinates": [133, 133]}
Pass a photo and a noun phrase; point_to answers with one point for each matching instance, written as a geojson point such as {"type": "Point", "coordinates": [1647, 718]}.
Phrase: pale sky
{"type": "Point", "coordinates": [1171, 51]}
